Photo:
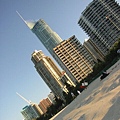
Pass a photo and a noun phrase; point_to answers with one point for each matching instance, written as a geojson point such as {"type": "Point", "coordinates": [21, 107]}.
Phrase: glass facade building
{"type": "Point", "coordinates": [46, 35]}
{"type": "Point", "coordinates": [101, 21]}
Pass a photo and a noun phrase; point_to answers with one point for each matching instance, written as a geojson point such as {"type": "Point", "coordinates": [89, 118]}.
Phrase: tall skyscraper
{"type": "Point", "coordinates": [74, 59]}
{"type": "Point", "coordinates": [45, 34]}
{"type": "Point", "coordinates": [50, 73]}
{"type": "Point", "coordinates": [101, 21]}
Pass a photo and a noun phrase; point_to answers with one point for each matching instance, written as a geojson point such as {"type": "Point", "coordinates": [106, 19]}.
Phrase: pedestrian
{"type": "Point", "coordinates": [73, 95]}
{"type": "Point", "coordinates": [78, 92]}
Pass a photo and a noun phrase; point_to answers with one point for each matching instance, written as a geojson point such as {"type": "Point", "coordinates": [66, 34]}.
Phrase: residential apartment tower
{"type": "Point", "coordinates": [50, 73]}
{"type": "Point", "coordinates": [74, 59]}
{"type": "Point", "coordinates": [101, 21]}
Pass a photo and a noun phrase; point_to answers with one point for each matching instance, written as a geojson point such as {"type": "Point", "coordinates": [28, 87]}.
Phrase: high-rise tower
{"type": "Point", "coordinates": [45, 34]}
{"type": "Point", "coordinates": [101, 21]}
{"type": "Point", "coordinates": [50, 73]}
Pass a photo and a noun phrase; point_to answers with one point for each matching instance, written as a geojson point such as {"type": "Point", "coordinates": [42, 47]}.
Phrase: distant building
{"type": "Point", "coordinates": [74, 59]}
{"type": "Point", "coordinates": [44, 104]}
{"type": "Point", "coordinates": [50, 73]}
{"type": "Point", "coordinates": [51, 97]}
{"type": "Point", "coordinates": [31, 111]}
{"type": "Point", "coordinates": [37, 108]}
{"type": "Point", "coordinates": [92, 48]}
{"type": "Point", "coordinates": [101, 21]}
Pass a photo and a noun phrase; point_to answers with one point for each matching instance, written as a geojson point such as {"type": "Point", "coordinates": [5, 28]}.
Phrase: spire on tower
{"type": "Point", "coordinates": [30, 24]}
{"type": "Point", "coordinates": [21, 17]}
{"type": "Point", "coordinates": [23, 98]}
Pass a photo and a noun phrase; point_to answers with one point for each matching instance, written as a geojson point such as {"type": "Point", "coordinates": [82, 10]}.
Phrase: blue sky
{"type": "Point", "coordinates": [17, 42]}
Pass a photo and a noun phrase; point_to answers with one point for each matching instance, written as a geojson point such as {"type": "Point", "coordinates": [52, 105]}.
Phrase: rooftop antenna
{"type": "Point", "coordinates": [21, 17]}
{"type": "Point", "coordinates": [23, 98]}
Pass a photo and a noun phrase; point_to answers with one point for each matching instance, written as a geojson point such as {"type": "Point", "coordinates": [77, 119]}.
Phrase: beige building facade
{"type": "Point", "coordinates": [74, 59]}
{"type": "Point", "coordinates": [50, 73]}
